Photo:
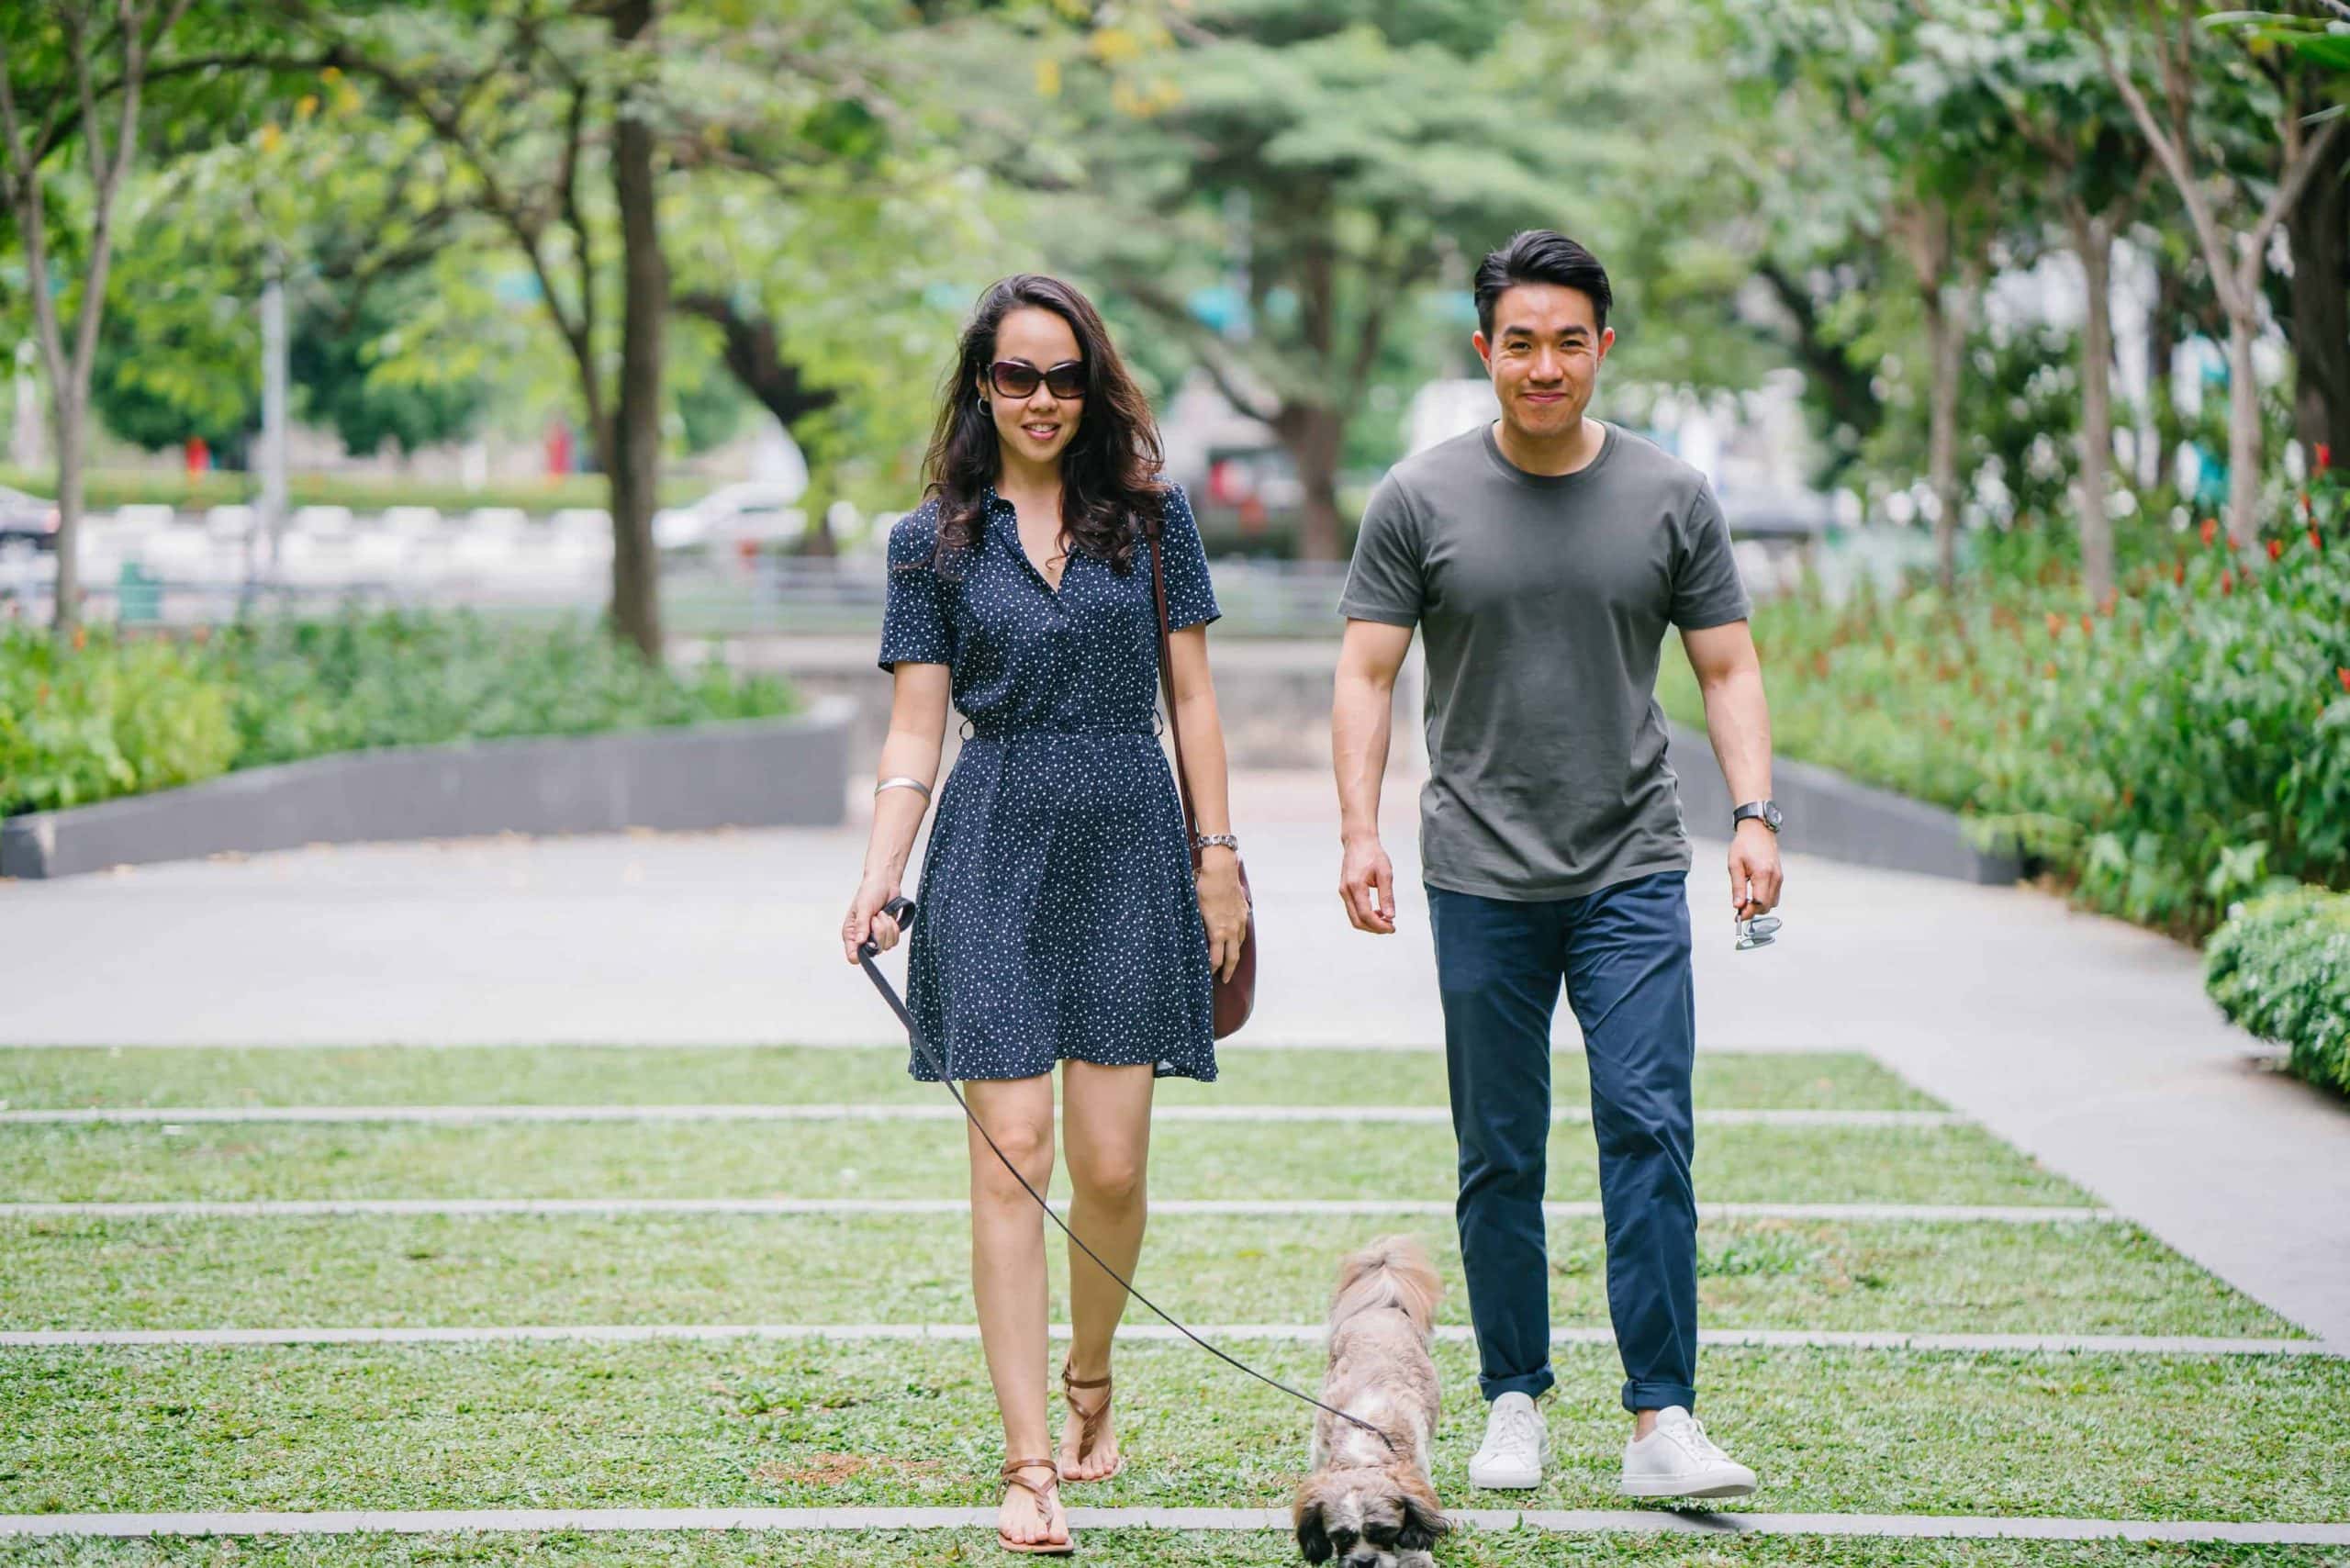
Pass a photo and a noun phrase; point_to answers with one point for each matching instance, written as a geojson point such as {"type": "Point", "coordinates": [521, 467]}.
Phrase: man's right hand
{"type": "Point", "coordinates": [1367, 886]}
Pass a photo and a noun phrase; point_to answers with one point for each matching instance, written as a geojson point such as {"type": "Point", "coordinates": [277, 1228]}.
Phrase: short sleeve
{"type": "Point", "coordinates": [1387, 580]}
{"type": "Point", "coordinates": [1191, 597]}
{"type": "Point", "coordinates": [914, 624]}
{"type": "Point", "coordinates": [1705, 586]}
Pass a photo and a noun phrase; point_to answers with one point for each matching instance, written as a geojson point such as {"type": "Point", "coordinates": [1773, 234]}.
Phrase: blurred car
{"type": "Point", "coordinates": [758, 511]}
{"type": "Point", "coordinates": [28, 521]}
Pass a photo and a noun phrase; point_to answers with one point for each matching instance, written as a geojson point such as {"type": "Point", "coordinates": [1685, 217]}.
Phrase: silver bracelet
{"type": "Point", "coordinates": [1209, 840]}
{"type": "Point", "coordinates": [902, 782]}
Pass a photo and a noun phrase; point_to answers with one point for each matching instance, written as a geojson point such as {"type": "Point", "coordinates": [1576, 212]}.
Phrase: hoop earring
{"type": "Point", "coordinates": [983, 402]}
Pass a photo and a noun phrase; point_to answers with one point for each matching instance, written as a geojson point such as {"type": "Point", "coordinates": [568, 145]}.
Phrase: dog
{"type": "Point", "coordinates": [1366, 1504]}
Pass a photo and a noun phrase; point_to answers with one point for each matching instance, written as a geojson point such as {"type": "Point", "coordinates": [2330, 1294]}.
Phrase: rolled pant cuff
{"type": "Point", "coordinates": [1533, 1384]}
{"type": "Point", "coordinates": [1641, 1397]}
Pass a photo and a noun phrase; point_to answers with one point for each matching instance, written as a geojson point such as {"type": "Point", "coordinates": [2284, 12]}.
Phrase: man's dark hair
{"type": "Point", "coordinates": [1540, 255]}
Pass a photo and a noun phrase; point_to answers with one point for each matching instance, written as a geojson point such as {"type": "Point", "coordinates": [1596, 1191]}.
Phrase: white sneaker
{"type": "Point", "coordinates": [1516, 1445]}
{"type": "Point", "coordinates": [1677, 1460]}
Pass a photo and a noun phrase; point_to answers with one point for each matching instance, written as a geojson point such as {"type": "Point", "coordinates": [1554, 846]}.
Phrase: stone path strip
{"type": "Point", "coordinates": [281, 1208]}
{"type": "Point", "coordinates": [1305, 1333]}
{"type": "Point", "coordinates": [911, 1111]}
{"type": "Point", "coordinates": [420, 1521]}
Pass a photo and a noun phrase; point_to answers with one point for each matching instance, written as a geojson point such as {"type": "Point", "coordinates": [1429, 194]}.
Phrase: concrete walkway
{"type": "Point", "coordinates": [2086, 1042]}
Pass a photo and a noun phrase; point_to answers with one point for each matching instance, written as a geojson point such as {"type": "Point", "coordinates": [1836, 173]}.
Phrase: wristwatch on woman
{"type": "Point", "coordinates": [1766, 812]}
{"type": "Point", "coordinates": [1209, 840]}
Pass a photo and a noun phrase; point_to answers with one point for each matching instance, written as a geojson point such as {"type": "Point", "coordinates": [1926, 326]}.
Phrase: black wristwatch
{"type": "Point", "coordinates": [1766, 810]}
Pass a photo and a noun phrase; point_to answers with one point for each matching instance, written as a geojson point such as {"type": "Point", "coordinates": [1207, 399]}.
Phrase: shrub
{"type": "Point", "coordinates": [2281, 968]}
{"type": "Point", "coordinates": [2165, 752]}
{"type": "Point", "coordinates": [119, 715]}
{"type": "Point", "coordinates": [111, 716]}
{"type": "Point", "coordinates": [105, 490]}
{"type": "Point", "coordinates": [409, 678]}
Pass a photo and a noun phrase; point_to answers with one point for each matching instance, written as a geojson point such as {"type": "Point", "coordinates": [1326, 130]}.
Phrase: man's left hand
{"type": "Point", "coordinates": [1754, 879]}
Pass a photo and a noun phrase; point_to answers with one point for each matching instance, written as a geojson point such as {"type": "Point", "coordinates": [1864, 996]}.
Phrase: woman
{"type": "Point", "coordinates": [1060, 918]}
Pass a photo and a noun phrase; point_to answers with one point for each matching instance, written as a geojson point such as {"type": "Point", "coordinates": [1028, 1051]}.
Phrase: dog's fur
{"type": "Point", "coordinates": [1364, 1505]}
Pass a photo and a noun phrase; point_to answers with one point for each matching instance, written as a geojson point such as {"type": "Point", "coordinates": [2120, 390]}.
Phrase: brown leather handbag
{"type": "Point", "coordinates": [1235, 997]}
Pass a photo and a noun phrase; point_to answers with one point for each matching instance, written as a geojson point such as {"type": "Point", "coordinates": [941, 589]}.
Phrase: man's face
{"type": "Point", "coordinates": [1544, 356]}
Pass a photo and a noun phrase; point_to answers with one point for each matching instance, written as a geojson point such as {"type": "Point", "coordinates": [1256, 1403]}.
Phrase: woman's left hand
{"type": "Point", "coordinates": [1224, 909]}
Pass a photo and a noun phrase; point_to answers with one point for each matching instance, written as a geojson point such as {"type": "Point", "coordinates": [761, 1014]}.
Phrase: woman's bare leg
{"type": "Point", "coordinates": [1105, 1119]}
{"type": "Point", "coordinates": [1008, 1278]}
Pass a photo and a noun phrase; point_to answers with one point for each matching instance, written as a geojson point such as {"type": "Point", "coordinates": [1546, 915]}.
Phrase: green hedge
{"type": "Point", "coordinates": [2167, 752]}
{"type": "Point", "coordinates": [2280, 967]}
{"type": "Point", "coordinates": [121, 714]}
{"type": "Point", "coordinates": [103, 490]}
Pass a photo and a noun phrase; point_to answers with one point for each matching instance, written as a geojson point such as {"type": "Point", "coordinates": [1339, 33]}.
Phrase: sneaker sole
{"type": "Point", "coordinates": [1671, 1489]}
{"type": "Point", "coordinates": [1505, 1486]}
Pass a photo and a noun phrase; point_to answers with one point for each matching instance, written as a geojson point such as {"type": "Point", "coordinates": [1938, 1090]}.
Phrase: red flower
{"type": "Point", "coordinates": [2211, 530]}
{"type": "Point", "coordinates": [2178, 573]}
{"type": "Point", "coordinates": [2275, 548]}
{"type": "Point", "coordinates": [2325, 456]}
{"type": "Point", "coordinates": [2341, 672]}
{"type": "Point", "coordinates": [2086, 623]}
{"type": "Point", "coordinates": [2228, 581]}
{"type": "Point", "coordinates": [81, 638]}
{"type": "Point", "coordinates": [2315, 543]}
{"type": "Point", "coordinates": [2055, 624]}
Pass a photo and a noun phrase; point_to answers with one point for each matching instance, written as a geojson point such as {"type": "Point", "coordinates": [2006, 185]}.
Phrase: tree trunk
{"type": "Point", "coordinates": [1946, 339]}
{"type": "Point", "coordinates": [70, 415]}
{"type": "Point", "coordinates": [2093, 243]}
{"type": "Point", "coordinates": [2163, 428]}
{"type": "Point", "coordinates": [635, 456]}
{"type": "Point", "coordinates": [2317, 227]}
{"type": "Point", "coordinates": [2243, 429]}
{"type": "Point", "coordinates": [1311, 435]}
{"type": "Point", "coordinates": [755, 359]}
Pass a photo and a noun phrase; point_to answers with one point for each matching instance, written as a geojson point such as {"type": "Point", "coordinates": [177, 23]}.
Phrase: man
{"type": "Point", "coordinates": [1542, 556]}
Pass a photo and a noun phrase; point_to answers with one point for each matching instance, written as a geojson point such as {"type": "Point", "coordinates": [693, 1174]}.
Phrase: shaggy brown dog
{"type": "Point", "coordinates": [1365, 1504]}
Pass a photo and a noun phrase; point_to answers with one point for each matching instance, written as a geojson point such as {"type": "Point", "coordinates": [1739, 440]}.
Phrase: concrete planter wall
{"type": "Point", "coordinates": [749, 773]}
{"type": "Point", "coordinates": [1832, 817]}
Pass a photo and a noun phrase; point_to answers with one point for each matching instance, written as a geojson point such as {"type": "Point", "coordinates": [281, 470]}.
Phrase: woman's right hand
{"type": "Point", "coordinates": [866, 919]}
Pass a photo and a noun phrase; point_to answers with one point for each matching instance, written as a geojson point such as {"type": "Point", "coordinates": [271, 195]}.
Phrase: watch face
{"type": "Point", "coordinates": [1771, 814]}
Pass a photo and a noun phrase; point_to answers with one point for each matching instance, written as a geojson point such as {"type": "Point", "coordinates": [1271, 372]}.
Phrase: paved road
{"type": "Point", "coordinates": [2086, 1041]}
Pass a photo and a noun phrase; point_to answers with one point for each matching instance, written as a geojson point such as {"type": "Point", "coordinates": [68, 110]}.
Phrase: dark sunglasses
{"type": "Point", "coordinates": [1018, 378]}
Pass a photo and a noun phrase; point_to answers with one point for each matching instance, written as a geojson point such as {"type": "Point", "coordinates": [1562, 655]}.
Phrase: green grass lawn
{"type": "Point", "coordinates": [441, 1270]}
{"type": "Point", "coordinates": [695, 1425]}
{"type": "Point", "coordinates": [928, 1159]}
{"type": "Point", "coordinates": [675, 1424]}
{"type": "Point", "coordinates": [570, 1075]}
{"type": "Point", "coordinates": [1142, 1549]}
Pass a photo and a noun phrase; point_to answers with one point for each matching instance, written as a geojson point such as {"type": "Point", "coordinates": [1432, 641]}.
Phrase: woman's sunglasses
{"type": "Point", "coordinates": [1018, 378]}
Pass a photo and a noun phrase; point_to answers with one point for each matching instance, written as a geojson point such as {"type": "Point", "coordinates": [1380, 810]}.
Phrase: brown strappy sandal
{"type": "Point", "coordinates": [1044, 1495]}
{"type": "Point", "coordinates": [1089, 1421]}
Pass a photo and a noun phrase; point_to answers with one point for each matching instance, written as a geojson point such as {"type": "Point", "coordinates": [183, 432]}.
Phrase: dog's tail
{"type": "Point", "coordinates": [1394, 1270]}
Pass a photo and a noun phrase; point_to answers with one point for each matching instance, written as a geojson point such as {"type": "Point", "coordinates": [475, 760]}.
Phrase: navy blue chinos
{"type": "Point", "coordinates": [1623, 954]}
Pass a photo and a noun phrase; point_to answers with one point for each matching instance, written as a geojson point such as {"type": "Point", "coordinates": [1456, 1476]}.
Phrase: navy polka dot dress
{"type": "Point", "coordinates": [1058, 914]}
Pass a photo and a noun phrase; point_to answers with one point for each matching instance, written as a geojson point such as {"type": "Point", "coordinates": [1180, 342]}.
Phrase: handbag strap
{"type": "Point", "coordinates": [1167, 686]}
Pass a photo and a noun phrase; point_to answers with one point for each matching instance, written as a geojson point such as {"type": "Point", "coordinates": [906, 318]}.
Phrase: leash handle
{"type": "Point", "coordinates": [901, 910]}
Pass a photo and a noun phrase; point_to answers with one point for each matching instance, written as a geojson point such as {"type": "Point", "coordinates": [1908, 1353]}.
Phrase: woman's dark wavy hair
{"type": "Point", "coordinates": [1109, 470]}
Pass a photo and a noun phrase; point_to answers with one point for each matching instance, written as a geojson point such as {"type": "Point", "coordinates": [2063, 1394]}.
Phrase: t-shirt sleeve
{"type": "Point", "coordinates": [1191, 597]}
{"type": "Point", "coordinates": [915, 628]}
{"type": "Point", "coordinates": [1705, 586]}
{"type": "Point", "coordinates": [1387, 581]}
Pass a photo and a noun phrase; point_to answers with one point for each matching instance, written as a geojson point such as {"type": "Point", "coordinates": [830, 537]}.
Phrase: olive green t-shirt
{"type": "Point", "coordinates": [1543, 601]}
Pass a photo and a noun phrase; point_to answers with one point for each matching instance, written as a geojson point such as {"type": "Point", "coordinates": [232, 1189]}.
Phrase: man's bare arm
{"type": "Point", "coordinates": [1737, 722]}
{"type": "Point", "coordinates": [1361, 726]}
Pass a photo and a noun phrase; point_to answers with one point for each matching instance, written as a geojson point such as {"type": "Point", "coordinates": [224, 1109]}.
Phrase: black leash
{"type": "Point", "coordinates": [902, 911]}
